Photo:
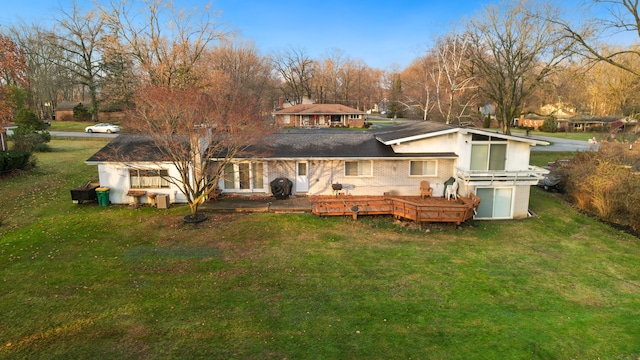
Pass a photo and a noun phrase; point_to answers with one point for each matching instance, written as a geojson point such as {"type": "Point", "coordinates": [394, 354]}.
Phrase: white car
{"type": "Point", "coordinates": [102, 128]}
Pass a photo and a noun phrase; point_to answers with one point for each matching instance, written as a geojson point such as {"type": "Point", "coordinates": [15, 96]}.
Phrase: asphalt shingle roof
{"type": "Point", "coordinates": [413, 129]}
{"type": "Point", "coordinates": [127, 147]}
{"type": "Point", "coordinates": [287, 144]}
{"type": "Point", "coordinates": [320, 109]}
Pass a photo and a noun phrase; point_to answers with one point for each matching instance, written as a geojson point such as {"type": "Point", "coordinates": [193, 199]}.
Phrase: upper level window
{"type": "Point", "coordinates": [149, 179]}
{"type": "Point", "coordinates": [358, 168]}
{"type": "Point", "coordinates": [423, 168]}
{"type": "Point", "coordinates": [488, 156]}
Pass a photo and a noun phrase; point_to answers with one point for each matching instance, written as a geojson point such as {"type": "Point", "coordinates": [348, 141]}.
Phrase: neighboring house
{"type": "Point", "coordinates": [319, 116]}
{"type": "Point", "coordinates": [64, 112]}
{"type": "Point", "coordinates": [392, 161]}
{"type": "Point", "coordinates": [607, 123]}
{"type": "Point", "coordinates": [530, 121]}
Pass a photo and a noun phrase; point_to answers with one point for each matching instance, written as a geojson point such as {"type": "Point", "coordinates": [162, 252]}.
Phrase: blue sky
{"type": "Point", "coordinates": [384, 34]}
{"type": "Point", "coordinates": [381, 33]}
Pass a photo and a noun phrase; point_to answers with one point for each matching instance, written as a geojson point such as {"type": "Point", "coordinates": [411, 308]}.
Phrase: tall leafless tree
{"type": "Point", "coordinates": [455, 84]}
{"type": "Point", "coordinates": [516, 48]}
{"type": "Point", "coordinates": [613, 17]}
{"type": "Point", "coordinates": [79, 35]}
{"type": "Point", "coordinates": [295, 68]}
{"type": "Point", "coordinates": [167, 43]}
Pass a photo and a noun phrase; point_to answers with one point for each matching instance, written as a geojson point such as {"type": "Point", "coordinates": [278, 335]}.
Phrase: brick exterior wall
{"type": "Point", "coordinates": [389, 176]}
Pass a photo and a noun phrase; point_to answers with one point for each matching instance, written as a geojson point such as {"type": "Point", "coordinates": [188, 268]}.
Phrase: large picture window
{"type": "Point", "coordinates": [247, 176]}
{"type": "Point", "coordinates": [423, 168]}
{"type": "Point", "coordinates": [149, 179]}
{"type": "Point", "coordinates": [357, 168]}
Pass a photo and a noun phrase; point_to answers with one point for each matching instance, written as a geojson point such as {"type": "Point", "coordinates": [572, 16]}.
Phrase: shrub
{"type": "Point", "coordinates": [606, 183]}
{"type": "Point", "coordinates": [80, 113]}
{"type": "Point", "coordinates": [550, 124]}
{"type": "Point", "coordinates": [28, 119]}
{"type": "Point", "coordinates": [487, 122]}
{"type": "Point", "coordinates": [28, 139]}
{"type": "Point", "coordinates": [15, 160]}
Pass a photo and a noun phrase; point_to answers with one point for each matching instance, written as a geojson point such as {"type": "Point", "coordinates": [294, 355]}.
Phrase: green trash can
{"type": "Point", "coordinates": [103, 196]}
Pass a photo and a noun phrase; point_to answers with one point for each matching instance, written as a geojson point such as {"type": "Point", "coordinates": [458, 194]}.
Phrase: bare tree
{"type": "Point", "coordinates": [248, 70]}
{"type": "Point", "coordinates": [198, 131]}
{"type": "Point", "coordinates": [48, 79]}
{"type": "Point", "coordinates": [419, 89]}
{"type": "Point", "coordinates": [614, 17]}
{"type": "Point", "coordinates": [169, 43]}
{"type": "Point", "coordinates": [295, 68]}
{"type": "Point", "coordinates": [516, 48]}
{"type": "Point", "coordinates": [455, 85]}
{"type": "Point", "coordinates": [79, 36]}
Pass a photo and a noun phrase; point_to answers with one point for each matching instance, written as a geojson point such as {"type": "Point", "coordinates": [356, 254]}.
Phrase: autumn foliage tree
{"type": "Point", "coordinates": [13, 68]}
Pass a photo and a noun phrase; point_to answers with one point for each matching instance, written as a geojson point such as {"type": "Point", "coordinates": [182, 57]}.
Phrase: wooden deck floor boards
{"type": "Point", "coordinates": [432, 209]}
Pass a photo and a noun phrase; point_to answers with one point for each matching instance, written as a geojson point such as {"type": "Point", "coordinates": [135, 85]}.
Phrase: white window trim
{"type": "Point", "coordinates": [164, 183]}
{"type": "Point", "coordinates": [489, 143]}
{"type": "Point", "coordinates": [236, 179]}
{"type": "Point", "coordinates": [428, 175]}
{"type": "Point", "coordinates": [512, 205]}
{"type": "Point", "coordinates": [359, 162]}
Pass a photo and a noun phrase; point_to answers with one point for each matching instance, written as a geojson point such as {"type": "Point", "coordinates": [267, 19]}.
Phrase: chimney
{"type": "Point", "coordinates": [281, 102]}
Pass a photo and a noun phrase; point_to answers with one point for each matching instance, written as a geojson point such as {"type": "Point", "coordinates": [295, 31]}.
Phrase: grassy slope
{"type": "Point", "coordinates": [81, 281]}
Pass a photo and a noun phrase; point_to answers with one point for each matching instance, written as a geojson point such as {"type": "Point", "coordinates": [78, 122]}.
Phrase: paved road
{"type": "Point", "coordinates": [560, 144]}
{"type": "Point", "coordinates": [81, 134]}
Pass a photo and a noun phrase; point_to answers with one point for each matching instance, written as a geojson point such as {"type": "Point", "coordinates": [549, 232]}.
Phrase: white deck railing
{"type": "Point", "coordinates": [530, 176]}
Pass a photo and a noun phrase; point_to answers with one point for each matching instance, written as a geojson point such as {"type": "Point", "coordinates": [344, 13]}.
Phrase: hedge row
{"type": "Point", "coordinates": [14, 160]}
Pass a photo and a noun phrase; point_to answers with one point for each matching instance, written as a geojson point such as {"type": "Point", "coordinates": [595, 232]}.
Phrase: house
{"type": "Point", "coordinates": [533, 121]}
{"type": "Point", "coordinates": [392, 161]}
{"type": "Point", "coordinates": [64, 112]}
{"type": "Point", "coordinates": [598, 123]}
{"type": "Point", "coordinates": [319, 116]}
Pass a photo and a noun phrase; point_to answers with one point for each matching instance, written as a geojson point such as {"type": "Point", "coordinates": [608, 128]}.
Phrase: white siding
{"type": "Point", "coordinates": [115, 176]}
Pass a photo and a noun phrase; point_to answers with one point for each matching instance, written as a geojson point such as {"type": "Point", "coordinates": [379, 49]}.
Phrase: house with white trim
{"type": "Point", "coordinates": [391, 161]}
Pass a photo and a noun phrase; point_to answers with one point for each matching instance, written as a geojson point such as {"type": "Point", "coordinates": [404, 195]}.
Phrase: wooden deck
{"type": "Point", "coordinates": [433, 209]}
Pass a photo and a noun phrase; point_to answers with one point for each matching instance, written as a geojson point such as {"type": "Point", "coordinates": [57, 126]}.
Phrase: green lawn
{"type": "Point", "coordinates": [82, 281]}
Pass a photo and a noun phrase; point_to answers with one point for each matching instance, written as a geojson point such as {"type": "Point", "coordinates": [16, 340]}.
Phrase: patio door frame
{"type": "Point", "coordinates": [497, 202]}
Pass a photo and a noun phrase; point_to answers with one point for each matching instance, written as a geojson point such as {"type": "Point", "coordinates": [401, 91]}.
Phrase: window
{"type": "Point", "coordinates": [354, 116]}
{"type": "Point", "coordinates": [287, 119]}
{"type": "Point", "coordinates": [488, 156]}
{"type": "Point", "coordinates": [423, 168]}
{"type": "Point", "coordinates": [245, 176]}
{"type": "Point", "coordinates": [496, 203]}
{"type": "Point", "coordinates": [357, 168]}
{"type": "Point", "coordinates": [149, 179]}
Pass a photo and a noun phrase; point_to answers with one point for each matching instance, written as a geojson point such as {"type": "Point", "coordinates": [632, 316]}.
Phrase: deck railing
{"type": "Point", "coordinates": [530, 176]}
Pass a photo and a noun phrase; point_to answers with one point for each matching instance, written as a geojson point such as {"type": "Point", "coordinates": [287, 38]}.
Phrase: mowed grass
{"type": "Point", "coordinates": [82, 281]}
